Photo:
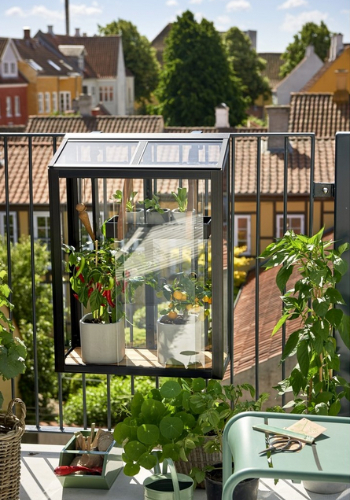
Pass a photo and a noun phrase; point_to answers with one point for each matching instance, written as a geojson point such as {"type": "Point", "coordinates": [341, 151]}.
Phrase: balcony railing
{"type": "Point", "coordinates": [266, 168]}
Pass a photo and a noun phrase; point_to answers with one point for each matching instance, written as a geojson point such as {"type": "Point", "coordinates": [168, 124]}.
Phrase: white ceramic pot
{"type": "Point", "coordinates": [178, 216]}
{"type": "Point", "coordinates": [135, 217]}
{"type": "Point", "coordinates": [185, 343]}
{"type": "Point", "coordinates": [323, 487]}
{"type": "Point", "coordinates": [102, 344]}
{"type": "Point", "coordinates": [154, 217]}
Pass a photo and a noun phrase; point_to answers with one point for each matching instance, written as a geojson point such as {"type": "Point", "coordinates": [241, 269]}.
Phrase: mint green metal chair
{"type": "Point", "coordinates": [242, 444]}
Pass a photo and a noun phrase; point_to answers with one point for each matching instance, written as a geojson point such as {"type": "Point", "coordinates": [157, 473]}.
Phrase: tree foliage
{"type": "Point", "coordinates": [310, 34]}
{"type": "Point", "coordinates": [196, 76]}
{"type": "Point", "coordinates": [246, 65]}
{"type": "Point", "coordinates": [139, 55]}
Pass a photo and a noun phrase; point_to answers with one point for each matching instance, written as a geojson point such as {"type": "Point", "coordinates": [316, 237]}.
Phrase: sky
{"type": "Point", "coordinates": [276, 21]}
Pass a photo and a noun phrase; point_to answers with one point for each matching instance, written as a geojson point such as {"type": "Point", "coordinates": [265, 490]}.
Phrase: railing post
{"type": "Point", "coordinates": [342, 235]}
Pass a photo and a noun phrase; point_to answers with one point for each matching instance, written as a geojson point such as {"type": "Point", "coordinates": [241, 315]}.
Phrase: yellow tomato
{"type": "Point", "coordinates": [209, 300]}
{"type": "Point", "coordinates": [172, 315]}
{"type": "Point", "coordinates": [205, 298]}
{"type": "Point", "coordinates": [183, 296]}
{"type": "Point", "coordinates": [177, 295]}
{"type": "Point", "coordinates": [188, 307]}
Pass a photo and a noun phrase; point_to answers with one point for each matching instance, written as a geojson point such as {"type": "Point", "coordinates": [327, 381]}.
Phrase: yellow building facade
{"type": "Point", "coordinates": [328, 81]}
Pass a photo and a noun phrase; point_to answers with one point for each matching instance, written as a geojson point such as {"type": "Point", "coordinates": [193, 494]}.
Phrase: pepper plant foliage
{"type": "Point", "coordinates": [313, 301]}
{"type": "Point", "coordinates": [12, 349]}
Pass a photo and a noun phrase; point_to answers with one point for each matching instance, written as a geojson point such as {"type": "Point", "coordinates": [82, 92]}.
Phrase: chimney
{"type": "Point", "coordinates": [26, 33]}
{"type": "Point", "coordinates": [278, 119]}
{"type": "Point", "coordinates": [309, 51]}
{"type": "Point", "coordinates": [252, 35]}
{"type": "Point", "coordinates": [336, 46]}
{"type": "Point", "coordinates": [50, 29]}
{"type": "Point", "coordinates": [77, 32]}
{"type": "Point", "coordinates": [66, 8]}
{"type": "Point", "coordinates": [85, 104]}
{"type": "Point", "coordinates": [341, 94]}
{"type": "Point", "coordinates": [221, 116]}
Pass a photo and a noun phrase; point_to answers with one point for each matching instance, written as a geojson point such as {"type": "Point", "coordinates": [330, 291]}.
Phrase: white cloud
{"type": "Point", "coordinates": [198, 16]}
{"type": "Point", "coordinates": [83, 10]}
{"type": "Point", "coordinates": [237, 5]}
{"type": "Point", "coordinates": [223, 20]}
{"type": "Point", "coordinates": [42, 11]}
{"type": "Point", "coordinates": [15, 11]}
{"type": "Point", "coordinates": [292, 24]}
{"type": "Point", "coordinates": [172, 3]}
{"type": "Point", "coordinates": [196, 1]}
{"type": "Point", "coordinates": [290, 4]}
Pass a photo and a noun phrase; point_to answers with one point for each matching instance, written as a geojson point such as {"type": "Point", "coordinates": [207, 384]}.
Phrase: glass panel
{"type": "Point", "coordinates": [83, 153]}
{"type": "Point", "coordinates": [182, 153]}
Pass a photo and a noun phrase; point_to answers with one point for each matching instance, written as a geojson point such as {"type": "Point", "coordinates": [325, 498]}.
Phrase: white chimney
{"type": "Point", "coordinates": [77, 32]}
{"type": "Point", "coordinates": [309, 51]}
{"type": "Point", "coordinates": [278, 120]}
{"type": "Point", "coordinates": [222, 116]}
{"type": "Point", "coordinates": [85, 104]}
{"type": "Point", "coordinates": [336, 46]}
{"type": "Point", "coordinates": [50, 29]}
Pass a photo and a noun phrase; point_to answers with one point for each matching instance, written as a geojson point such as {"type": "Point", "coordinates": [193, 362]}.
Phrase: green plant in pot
{"type": "Point", "coordinates": [12, 350]}
{"type": "Point", "coordinates": [313, 300]}
{"type": "Point", "coordinates": [99, 283]}
{"type": "Point", "coordinates": [129, 203]}
{"type": "Point", "coordinates": [182, 201]}
{"type": "Point", "coordinates": [155, 213]}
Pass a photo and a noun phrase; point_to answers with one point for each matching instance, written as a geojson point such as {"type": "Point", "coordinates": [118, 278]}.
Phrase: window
{"type": "Point", "coordinates": [40, 102]}
{"type": "Point", "coordinates": [17, 106]}
{"type": "Point", "coordinates": [111, 94]}
{"type": "Point", "coordinates": [65, 101]}
{"type": "Point", "coordinates": [42, 227]}
{"type": "Point", "coordinates": [101, 94]}
{"type": "Point", "coordinates": [85, 89]}
{"type": "Point", "coordinates": [47, 102]}
{"type": "Point", "coordinates": [296, 222]}
{"type": "Point", "coordinates": [12, 227]}
{"type": "Point", "coordinates": [13, 68]}
{"type": "Point", "coordinates": [106, 94]}
{"type": "Point", "coordinates": [54, 102]}
{"type": "Point", "coordinates": [8, 106]}
{"type": "Point", "coordinates": [6, 68]}
{"type": "Point", "coordinates": [242, 232]}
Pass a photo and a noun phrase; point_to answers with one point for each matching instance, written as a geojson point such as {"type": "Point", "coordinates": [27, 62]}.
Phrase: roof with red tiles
{"type": "Point", "coordinates": [102, 52]}
{"type": "Point", "coordinates": [316, 112]}
{"type": "Point", "coordinates": [100, 123]}
{"type": "Point", "coordinates": [40, 58]}
{"type": "Point", "coordinates": [272, 166]}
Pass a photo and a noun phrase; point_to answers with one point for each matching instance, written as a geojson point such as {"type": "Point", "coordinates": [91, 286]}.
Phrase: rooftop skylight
{"type": "Point", "coordinates": [54, 65]}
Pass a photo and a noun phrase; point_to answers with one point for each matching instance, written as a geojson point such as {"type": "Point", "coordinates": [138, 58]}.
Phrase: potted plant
{"type": "Point", "coordinates": [182, 200]}
{"type": "Point", "coordinates": [133, 214]}
{"type": "Point", "coordinates": [180, 329]}
{"type": "Point", "coordinates": [12, 362]}
{"type": "Point", "coordinates": [312, 300]}
{"type": "Point", "coordinates": [98, 282]}
{"type": "Point", "coordinates": [155, 213]}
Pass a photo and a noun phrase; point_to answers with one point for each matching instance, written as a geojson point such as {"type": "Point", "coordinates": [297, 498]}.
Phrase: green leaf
{"type": "Point", "coordinates": [134, 449]}
{"type": "Point", "coordinates": [335, 408]}
{"type": "Point", "coordinates": [280, 322]}
{"type": "Point", "coordinates": [171, 427]}
{"type": "Point", "coordinates": [334, 316]}
{"type": "Point", "coordinates": [136, 404]}
{"type": "Point", "coordinates": [344, 330]}
{"type": "Point", "coordinates": [198, 384]}
{"type": "Point", "coordinates": [296, 380]}
{"type": "Point", "coordinates": [334, 296]}
{"type": "Point", "coordinates": [148, 461]}
{"type": "Point", "coordinates": [340, 265]}
{"type": "Point", "coordinates": [321, 306]}
{"type": "Point", "coordinates": [171, 450]}
{"type": "Point", "coordinates": [131, 469]}
{"type": "Point", "coordinates": [343, 248]}
{"type": "Point", "coordinates": [123, 431]}
{"type": "Point", "coordinates": [290, 345]}
{"type": "Point", "coordinates": [283, 276]}
{"type": "Point", "coordinates": [187, 419]}
{"type": "Point", "coordinates": [148, 434]}
{"type": "Point", "coordinates": [303, 357]}
{"type": "Point", "coordinates": [320, 329]}
{"type": "Point", "coordinates": [152, 410]}
{"type": "Point", "coordinates": [170, 389]}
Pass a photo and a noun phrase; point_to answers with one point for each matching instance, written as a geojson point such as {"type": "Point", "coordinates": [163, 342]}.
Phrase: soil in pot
{"type": "Point", "coordinates": [245, 490]}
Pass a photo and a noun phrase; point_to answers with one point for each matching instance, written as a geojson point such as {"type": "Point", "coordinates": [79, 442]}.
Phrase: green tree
{"type": "Point", "coordinates": [139, 55]}
{"type": "Point", "coordinates": [196, 76]}
{"type": "Point", "coordinates": [246, 65]}
{"type": "Point", "coordinates": [310, 34]}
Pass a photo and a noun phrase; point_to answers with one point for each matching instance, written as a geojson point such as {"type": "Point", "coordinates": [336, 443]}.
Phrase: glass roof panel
{"type": "Point", "coordinates": [182, 153]}
{"type": "Point", "coordinates": [75, 153]}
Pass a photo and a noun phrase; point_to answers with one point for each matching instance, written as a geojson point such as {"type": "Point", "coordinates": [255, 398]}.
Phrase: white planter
{"type": "Point", "coordinates": [102, 344]}
{"type": "Point", "coordinates": [135, 217]}
{"type": "Point", "coordinates": [323, 487]}
{"type": "Point", "coordinates": [185, 343]}
{"type": "Point", "coordinates": [178, 216]}
{"type": "Point", "coordinates": [154, 217]}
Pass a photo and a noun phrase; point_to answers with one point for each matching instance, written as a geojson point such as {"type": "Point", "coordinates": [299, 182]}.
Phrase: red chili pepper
{"type": "Point", "coordinates": [90, 291]}
{"type": "Point", "coordinates": [81, 277]}
{"type": "Point", "coordinates": [75, 296]}
{"type": "Point", "coordinates": [108, 295]}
